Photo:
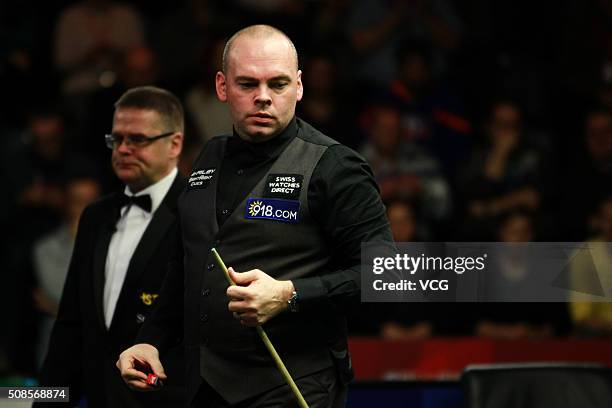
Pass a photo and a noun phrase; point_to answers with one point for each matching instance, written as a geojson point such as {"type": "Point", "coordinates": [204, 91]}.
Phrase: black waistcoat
{"type": "Point", "coordinates": [276, 235]}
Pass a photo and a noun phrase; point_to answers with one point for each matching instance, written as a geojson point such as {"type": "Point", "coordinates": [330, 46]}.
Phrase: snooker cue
{"type": "Point", "coordinates": [267, 342]}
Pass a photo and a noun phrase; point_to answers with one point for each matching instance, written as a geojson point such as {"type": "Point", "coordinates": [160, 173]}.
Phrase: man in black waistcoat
{"type": "Point", "coordinates": [287, 208]}
{"type": "Point", "coordinates": [123, 245]}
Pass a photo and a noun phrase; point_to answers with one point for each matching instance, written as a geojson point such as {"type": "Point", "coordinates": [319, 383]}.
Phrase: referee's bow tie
{"type": "Point", "coordinates": [143, 201]}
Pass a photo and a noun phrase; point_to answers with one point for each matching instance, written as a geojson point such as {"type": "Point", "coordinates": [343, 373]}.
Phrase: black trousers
{"type": "Point", "coordinates": [320, 390]}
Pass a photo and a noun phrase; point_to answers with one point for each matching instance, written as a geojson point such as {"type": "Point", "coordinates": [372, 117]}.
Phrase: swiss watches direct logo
{"type": "Point", "coordinates": [273, 209]}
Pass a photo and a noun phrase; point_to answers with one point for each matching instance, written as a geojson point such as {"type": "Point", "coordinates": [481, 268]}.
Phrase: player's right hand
{"type": "Point", "coordinates": [136, 363]}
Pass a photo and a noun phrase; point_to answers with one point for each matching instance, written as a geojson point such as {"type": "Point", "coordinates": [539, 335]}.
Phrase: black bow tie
{"type": "Point", "coordinates": [143, 201]}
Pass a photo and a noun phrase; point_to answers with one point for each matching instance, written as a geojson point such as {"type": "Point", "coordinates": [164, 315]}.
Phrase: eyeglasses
{"type": "Point", "coordinates": [113, 141]}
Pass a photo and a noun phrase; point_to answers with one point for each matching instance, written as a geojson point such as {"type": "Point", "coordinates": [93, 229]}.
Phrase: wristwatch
{"type": "Point", "coordinates": [293, 302]}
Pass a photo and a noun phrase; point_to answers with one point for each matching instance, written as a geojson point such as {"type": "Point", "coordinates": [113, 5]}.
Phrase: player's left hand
{"type": "Point", "coordinates": [257, 297]}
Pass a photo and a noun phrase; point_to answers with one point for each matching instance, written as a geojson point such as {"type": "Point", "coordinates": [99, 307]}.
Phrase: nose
{"type": "Point", "coordinates": [262, 97]}
{"type": "Point", "coordinates": [123, 147]}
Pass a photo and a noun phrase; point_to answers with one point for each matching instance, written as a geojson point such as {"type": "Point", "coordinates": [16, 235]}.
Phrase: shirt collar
{"type": "Point", "coordinates": [268, 149]}
{"type": "Point", "coordinates": [157, 191]}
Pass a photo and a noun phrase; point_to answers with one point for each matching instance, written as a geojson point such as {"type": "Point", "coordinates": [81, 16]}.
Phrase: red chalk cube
{"type": "Point", "coordinates": [153, 380]}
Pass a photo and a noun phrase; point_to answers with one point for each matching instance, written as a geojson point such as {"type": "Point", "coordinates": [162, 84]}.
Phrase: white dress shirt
{"type": "Point", "coordinates": [129, 230]}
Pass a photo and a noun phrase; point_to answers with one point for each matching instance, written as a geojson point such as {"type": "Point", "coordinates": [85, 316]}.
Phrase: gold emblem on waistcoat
{"type": "Point", "coordinates": [148, 298]}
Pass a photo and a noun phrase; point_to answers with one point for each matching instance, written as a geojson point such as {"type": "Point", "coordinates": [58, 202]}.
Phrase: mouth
{"type": "Point", "coordinates": [262, 116]}
{"type": "Point", "coordinates": [124, 164]}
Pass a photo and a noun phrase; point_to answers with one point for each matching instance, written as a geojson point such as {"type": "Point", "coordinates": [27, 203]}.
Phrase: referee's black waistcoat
{"type": "Point", "coordinates": [272, 230]}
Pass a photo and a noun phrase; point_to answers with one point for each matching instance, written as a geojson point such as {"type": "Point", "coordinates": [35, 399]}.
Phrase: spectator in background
{"type": "Point", "coordinates": [503, 175]}
{"type": "Point", "coordinates": [326, 107]}
{"type": "Point", "coordinates": [183, 38]}
{"type": "Point", "coordinates": [432, 113]}
{"type": "Point", "coordinates": [51, 256]}
{"type": "Point", "coordinates": [402, 220]}
{"type": "Point", "coordinates": [34, 171]}
{"type": "Point", "coordinates": [138, 66]}
{"type": "Point", "coordinates": [402, 321]}
{"type": "Point", "coordinates": [590, 178]}
{"type": "Point", "coordinates": [594, 319]}
{"type": "Point", "coordinates": [376, 30]}
{"type": "Point", "coordinates": [405, 170]}
{"type": "Point", "coordinates": [209, 115]}
{"type": "Point", "coordinates": [328, 28]}
{"type": "Point", "coordinates": [501, 318]}
{"type": "Point", "coordinates": [90, 36]}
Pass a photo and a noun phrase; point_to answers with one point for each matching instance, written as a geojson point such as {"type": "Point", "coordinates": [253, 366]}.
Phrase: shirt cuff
{"type": "Point", "coordinates": [310, 291]}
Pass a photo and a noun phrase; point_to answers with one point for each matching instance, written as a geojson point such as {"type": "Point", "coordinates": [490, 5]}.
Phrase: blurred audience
{"type": "Point", "coordinates": [328, 106]}
{"type": "Point", "coordinates": [376, 30]}
{"type": "Point", "coordinates": [405, 170]}
{"type": "Point", "coordinates": [433, 114]}
{"type": "Point", "coordinates": [504, 174]}
{"type": "Point", "coordinates": [51, 256]}
{"type": "Point", "coordinates": [404, 321]}
{"type": "Point", "coordinates": [403, 221]}
{"type": "Point", "coordinates": [589, 179]}
{"type": "Point", "coordinates": [34, 170]}
{"type": "Point", "coordinates": [512, 272]}
{"type": "Point", "coordinates": [209, 115]}
{"type": "Point", "coordinates": [594, 319]}
{"type": "Point", "coordinates": [183, 40]}
{"type": "Point", "coordinates": [90, 37]}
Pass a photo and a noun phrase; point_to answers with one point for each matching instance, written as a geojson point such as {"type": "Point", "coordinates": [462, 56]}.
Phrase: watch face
{"type": "Point", "coordinates": [293, 304]}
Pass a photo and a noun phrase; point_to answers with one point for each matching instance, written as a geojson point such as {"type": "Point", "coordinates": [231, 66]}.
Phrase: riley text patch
{"type": "Point", "coordinates": [272, 209]}
{"type": "Point", "coordinates": [286, 186]}
{"type": "Point", "coordinates": [201, 178]}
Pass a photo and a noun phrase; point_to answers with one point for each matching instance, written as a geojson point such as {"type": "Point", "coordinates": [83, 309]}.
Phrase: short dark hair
{"type": "Point", "coordinates": [164, 102]}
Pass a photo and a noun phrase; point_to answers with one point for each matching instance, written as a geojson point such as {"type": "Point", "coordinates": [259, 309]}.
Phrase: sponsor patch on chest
{"type": "Point", "coordinates": [287, 186]}
{"type": "Point", "coordinates": [201, 178]}
{"type": "Point", "coordinates": [273, 209]}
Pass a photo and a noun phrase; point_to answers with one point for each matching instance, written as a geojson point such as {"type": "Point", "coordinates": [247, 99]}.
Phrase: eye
{"type": "Point", "coordinates": [279, 85]}
{"type": "Point", "coordinates": [114, 140]}
{"type": "Point", "coordinates": [138, 139]}
{"type": "Point", "coordinates": [247, 85]}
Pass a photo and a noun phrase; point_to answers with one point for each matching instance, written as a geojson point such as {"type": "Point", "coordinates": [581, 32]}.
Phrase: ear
{"type": "Point", "coordinates": [300, 87]}
{"type": "Point", "coordinates": [221, 86]}
{"type": "Point", "coordinates": [176, 145]}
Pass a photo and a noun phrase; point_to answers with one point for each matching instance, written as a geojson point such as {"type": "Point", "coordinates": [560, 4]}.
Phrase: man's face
{"type": "Point", "coordinates": [517, 228]}
{"type": "Point", "coordinates": [505, 125]}
{"type": "Point", "coordinates": [261, 86]}
{"type": "Point", "coordinates": [139, 167]}
{"type": "Point", "coordinates": [402, 222]}
{"type": "Point", "coordinates": [386, 131]}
